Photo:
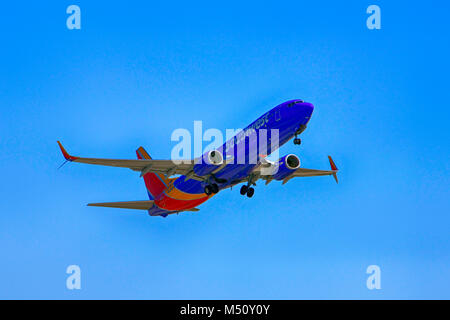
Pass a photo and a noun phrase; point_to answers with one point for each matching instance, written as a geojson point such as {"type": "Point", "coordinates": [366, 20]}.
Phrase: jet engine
{"type": "Point", "coordinates": [286, 166]}
{"type": "Point", "coordinates": [209, 162]}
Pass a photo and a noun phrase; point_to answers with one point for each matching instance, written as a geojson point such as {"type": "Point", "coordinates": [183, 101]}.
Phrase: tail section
{"type": "Point", "coordinates": [156, 183]}
{"type": "Point", "coordinates": [142, 154]}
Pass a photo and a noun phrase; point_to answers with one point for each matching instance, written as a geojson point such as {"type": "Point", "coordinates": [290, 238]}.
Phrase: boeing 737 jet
{"type": "Point", "coordinates": [242, 159]}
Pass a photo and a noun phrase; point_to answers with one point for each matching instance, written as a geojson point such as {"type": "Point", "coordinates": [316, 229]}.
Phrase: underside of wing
{"type": "Point", "coordinates": [139, 205]}
{"type": "Point", "coordinates": [166, 167]}
{"type": "Point", "coordinates": [299, 172]}
{"type": "Point", "coordinates": [303, 172]}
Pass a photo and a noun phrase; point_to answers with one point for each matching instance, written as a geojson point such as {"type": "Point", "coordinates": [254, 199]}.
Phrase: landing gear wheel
{"type": "Point", "coordinates": [250, 192]}
{"type": "Point", "coordinates": [208, 190]}
{"type": "Point", "coordinates": [244, 189]}
{"type": "Point", "coordinates": [214, 188]}
{"type": "Point", "coordinates": [297, 141]}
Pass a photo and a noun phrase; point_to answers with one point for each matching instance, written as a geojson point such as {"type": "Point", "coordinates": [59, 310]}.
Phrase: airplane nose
{"type": "Point", "coordinates": [308, 107]}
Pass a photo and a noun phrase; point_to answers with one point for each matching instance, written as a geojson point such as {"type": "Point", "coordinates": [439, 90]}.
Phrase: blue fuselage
{"type": "Point", "coordinates": [289, 118]}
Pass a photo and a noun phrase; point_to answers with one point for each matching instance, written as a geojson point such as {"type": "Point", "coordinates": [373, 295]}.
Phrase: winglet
{"type": "Point", "coordinates": [334, 168]}
{"type": "Point", "coordinates": [67, 156]}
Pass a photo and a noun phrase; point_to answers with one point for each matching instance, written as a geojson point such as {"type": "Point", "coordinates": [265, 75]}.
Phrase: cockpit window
{"type": "Point", "coordinates": [294, 103]}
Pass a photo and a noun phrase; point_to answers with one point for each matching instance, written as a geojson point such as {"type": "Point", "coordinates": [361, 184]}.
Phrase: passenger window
{"type": "Point", "coordinates": [277, 115]}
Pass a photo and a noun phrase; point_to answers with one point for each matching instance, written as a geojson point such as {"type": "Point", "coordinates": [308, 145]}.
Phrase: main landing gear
{"type": "Point", "coordinates": [246, 190]}
{"type": "Point", "coordinates": [211, 188]}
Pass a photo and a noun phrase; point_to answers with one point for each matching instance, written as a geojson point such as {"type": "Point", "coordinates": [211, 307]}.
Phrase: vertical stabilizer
{"type": "Point", "coordinates": [156, 183]}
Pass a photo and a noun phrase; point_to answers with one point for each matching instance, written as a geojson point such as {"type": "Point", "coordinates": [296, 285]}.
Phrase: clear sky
{"type": "Point", "coordinates": [136, 71]}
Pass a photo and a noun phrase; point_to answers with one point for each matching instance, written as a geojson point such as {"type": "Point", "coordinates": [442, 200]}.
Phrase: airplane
{"type": "Point", "coordinates": [198, 181]}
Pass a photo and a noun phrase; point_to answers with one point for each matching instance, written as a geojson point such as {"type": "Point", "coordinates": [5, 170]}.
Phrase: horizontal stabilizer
{"type": "Point", "coordinates": [139, 205]}
{"type": "Point", "coordinates": [183, 210]}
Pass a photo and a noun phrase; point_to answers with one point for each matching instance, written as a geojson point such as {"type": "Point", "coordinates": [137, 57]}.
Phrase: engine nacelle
{"type": "Point", "coordinates": [210, 161]}
{"type": "Point", "coordinates": [286, 166]}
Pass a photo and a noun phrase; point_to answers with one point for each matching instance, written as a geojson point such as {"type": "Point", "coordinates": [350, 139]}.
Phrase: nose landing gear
{"type": "Point", "coordinates": [298, 141]}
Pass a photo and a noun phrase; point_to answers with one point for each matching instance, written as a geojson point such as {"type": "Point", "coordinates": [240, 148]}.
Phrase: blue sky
{"type": "Point", "coordinates": [137, 71]}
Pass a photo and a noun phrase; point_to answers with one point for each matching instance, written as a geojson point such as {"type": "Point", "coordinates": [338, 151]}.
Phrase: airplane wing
{"type": "Point", "coordinates": [303, 172]}
{"type": "Point", "coordinates": [166, 167]}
